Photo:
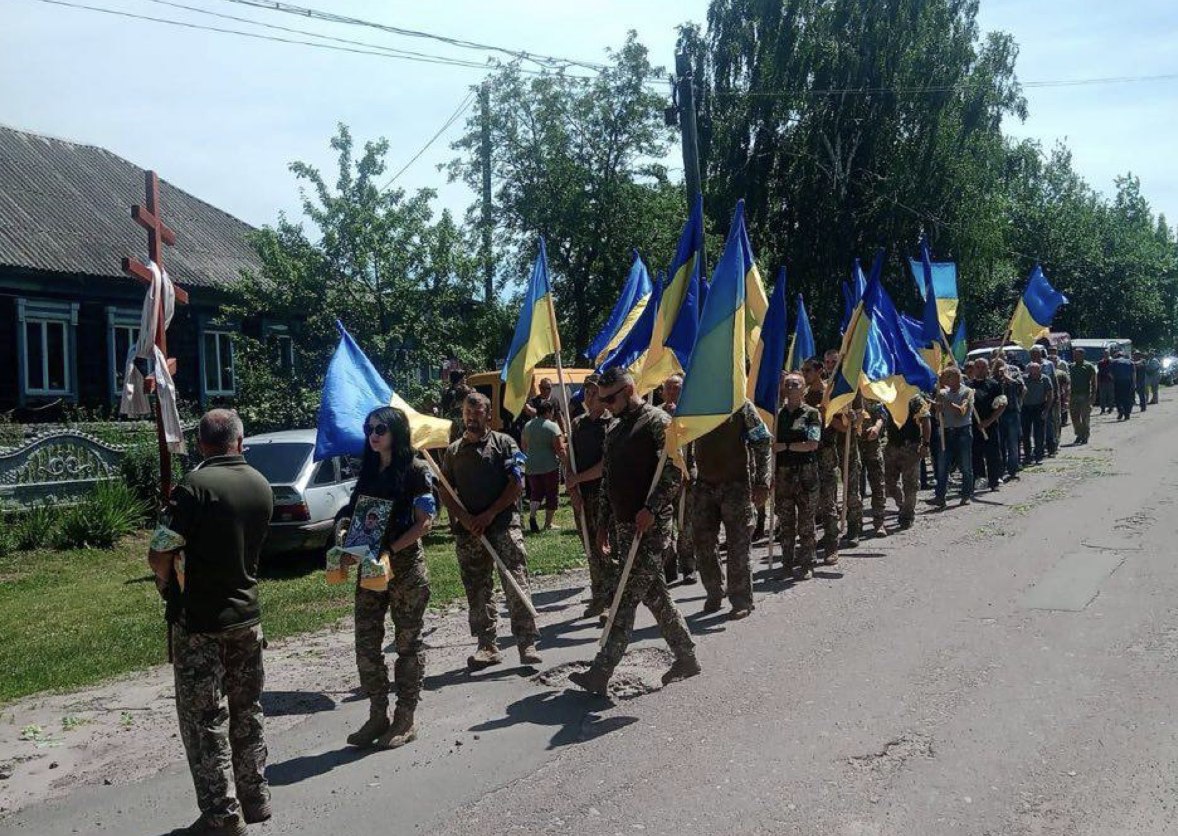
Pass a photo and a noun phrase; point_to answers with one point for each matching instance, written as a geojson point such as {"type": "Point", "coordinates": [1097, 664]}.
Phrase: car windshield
{"type": "Point", "coordinates": [280, 463]}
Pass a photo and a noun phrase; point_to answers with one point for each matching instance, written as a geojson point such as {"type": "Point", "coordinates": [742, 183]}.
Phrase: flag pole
{"type": "Point", "coordinates": [846, 468]}
{"type": "Point", "coordinates": [629, 564]}
{"type": "Point", "coordinates": [507, 576]}
{"type": "Point", "coordinates": [579, 519]}
{"type": "Point", "coordinates": [773, 472]}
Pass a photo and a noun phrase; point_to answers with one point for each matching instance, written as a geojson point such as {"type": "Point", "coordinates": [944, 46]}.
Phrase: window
{"type": "Point", "coordinates": [122, 336]}
{"type": "Point", "coordinates": [324, 473]}
{"type": "Point", "coordinates": [217, 360]}
{"type": "Point", "coordinates": [284, 350]}
{"type": "Point", "coordinates": [46, 347]}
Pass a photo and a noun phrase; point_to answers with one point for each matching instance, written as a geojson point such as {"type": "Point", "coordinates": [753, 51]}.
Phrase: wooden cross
{"type": "Point", "coordinates": [158, 234]}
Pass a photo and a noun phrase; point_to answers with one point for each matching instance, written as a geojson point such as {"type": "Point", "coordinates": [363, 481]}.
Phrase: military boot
{"type": "Point", "coordinates": [713, 603]}
{"type": "Point", "coordinates": [759, 531]}
{"type": "Point", "coordinates": [256, 812]}
{"type": "Point", "coordinates": [682, 669]}
{"type": "Point", "coordinates": [528, 655]}
{"type": "Point", "coordinates": [880, 529]}
{"type": "Point", "coordinates": [402, 730]}
{"type": "Point", "coordinates": [594, 680]}
{"type": "Point", "coordinates": [376, 725]}
{"type": "Point", "coordinates": [203, 827]}
{"type": "Point", "coordinates": [486, 656]}
{"type": "Point", "coordinates": [851, 538]}
{"type": "Point", "coordinates": [787, 564]}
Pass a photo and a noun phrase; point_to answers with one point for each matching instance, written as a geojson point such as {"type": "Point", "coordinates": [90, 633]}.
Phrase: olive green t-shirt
{"type": "Point", "coordinates": [480, 471]}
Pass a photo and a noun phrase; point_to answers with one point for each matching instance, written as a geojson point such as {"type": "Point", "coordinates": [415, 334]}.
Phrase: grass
{"type": "Point", "coordinates": [72, 618]}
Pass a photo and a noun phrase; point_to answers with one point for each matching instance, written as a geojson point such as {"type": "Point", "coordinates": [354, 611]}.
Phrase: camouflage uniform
{"type": "Point", "coordinates": [588, 440]}
{"type": "Point", "coordinates": [476, 566]}
{"type": "Point", "coordinates": [680, 550]}
{"type": "Point", "coordinates": [405, 600]}
{"type": "Point", "coordinates": [829, 476]}
{"type": "Point", "coordinates": [219, 682]}
{"type": "Point", "coordinates": [634, 442]}
{"type": "Point", "coordinates": [853, 498]}
{"type": "Point", "coordinates": [722, 494]}
{"type": "Point", "coordinates": [871, 454]}
{"type": "Point", "coordinates": [902, 460]}
{"type": "Point", "coordinates": [795, 490]}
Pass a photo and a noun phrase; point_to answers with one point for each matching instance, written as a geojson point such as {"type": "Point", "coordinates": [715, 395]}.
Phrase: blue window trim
{"type": "Point", "coordinates": [117, 317]}
{"type": "Point", "coordinates": [206, 324]}
{"type": "Point", "coordinates": [43, 310]}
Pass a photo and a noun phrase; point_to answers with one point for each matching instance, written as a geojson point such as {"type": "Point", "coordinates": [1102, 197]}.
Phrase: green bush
{"type": "Point", "coordinates": [35, 527]}
{"type": "Point", "coordinates": [112, 511]}
{"type": "Point", "coordinates": [7, 536]}
{"type": "Point", "coordinates": [140, 468]}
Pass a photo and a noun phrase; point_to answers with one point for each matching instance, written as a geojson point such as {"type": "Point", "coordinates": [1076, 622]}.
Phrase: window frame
{"type": "Point", "coordinates": [44, 313]}
{"type": "Point", "coordinates": [218, 331]}
{"type": "Point", "coordinates": [119, 318]}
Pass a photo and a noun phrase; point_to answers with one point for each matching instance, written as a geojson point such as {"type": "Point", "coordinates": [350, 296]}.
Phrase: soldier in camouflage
{"type": "Point", "coordinates": [907, 446]}
{"type": "Point", "coordinates": [853, 420]}
{"type": "Point", "coordinates": [632, 507]}
{"type": "Point", "coordinates": [389, 471]}
{"type": "Point", "coordinates": [799, 432]}
{"type": "Point", "coordinates": [486, 468]}
{"type": "Point", "coordinates": [871, 454]}
{"type": "Point", "coordinates": [827, 462]}
{"type": "Point", "coordinates": [725, 493]}
{"type": "Point", "coordinates": [219, 516]}
{"type": "Point", "coordinates": [679, 557]}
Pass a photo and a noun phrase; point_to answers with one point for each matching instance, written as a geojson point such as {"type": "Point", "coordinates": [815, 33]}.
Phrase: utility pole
{"type": "Point", "coordinates": [487, 221]}
{"type": "Point", "coordinates": [685, 105]}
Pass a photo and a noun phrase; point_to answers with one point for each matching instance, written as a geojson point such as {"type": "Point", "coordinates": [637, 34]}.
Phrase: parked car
{"type": "Point", "coordinates": [1013, 351]}
{"type": "Point", "coordinates": [307, 494]}
{"type": "Point", "coordinates": [1169, 369]}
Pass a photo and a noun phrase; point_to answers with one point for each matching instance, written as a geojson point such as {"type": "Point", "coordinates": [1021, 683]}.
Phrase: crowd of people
{"type": "Point", "coordinates": [986, 421]}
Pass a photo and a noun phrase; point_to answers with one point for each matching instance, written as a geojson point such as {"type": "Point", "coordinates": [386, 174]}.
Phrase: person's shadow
{"type": "Point", "coordinates": [299, 769]}
{"type": "Point", "coordinates": [568, 711]}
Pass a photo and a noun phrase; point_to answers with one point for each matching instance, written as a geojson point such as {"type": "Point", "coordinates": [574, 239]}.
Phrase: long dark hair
{"type": "Point", "coordinates": [398, 426]}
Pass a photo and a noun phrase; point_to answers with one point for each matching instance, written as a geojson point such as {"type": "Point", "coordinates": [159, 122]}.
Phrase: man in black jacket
{"type": "Point", "coordinates": [218, 516]}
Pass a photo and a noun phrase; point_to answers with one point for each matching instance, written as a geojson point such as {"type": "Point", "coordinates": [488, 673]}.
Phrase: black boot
{"type": "Point", "coordinates": [376, 725]}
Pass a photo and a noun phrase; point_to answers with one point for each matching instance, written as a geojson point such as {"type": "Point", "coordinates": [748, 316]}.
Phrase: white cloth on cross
{"type": "Point", "coordinates": [134, 399]}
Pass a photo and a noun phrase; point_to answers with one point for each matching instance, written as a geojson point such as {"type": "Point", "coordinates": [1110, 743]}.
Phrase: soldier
{"type": "Point", "coordinates": [389, 471]}
{"type": "Point", "coordinates": [680, 555]}
{"type": "Point", "coordinates": [486, 469]}
{"type": "Point", "coordinates": [584, 488]}
{"type": "Point", "coordinates": [799, 432]}
{"type": "Point", "coordinates": [724, 488]}
{"type": "Point", "coordinates": [827, 460]}
{"type": "Point", "coordinates": [218, 516]}
{"type": "Point", "coordinates": [907, 446]}
{"type": "Point", "coordinates": [851, 420]}
{"type": "Point", "coordinates": [1083, 378]}
{"type": "Point", "coordinates": [871, 453]}
{"type": "Point", "coordinates": [632, 507]}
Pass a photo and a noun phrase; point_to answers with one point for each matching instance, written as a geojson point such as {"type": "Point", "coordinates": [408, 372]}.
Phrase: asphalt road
{"type": "Point", "coordinates": [1007, 668]}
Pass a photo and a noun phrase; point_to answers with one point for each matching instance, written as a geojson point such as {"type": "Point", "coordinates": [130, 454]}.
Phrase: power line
{"type": "Point", "coordinates": [936, 88]}
{"type": "Point", "coordinates": [453, 118]}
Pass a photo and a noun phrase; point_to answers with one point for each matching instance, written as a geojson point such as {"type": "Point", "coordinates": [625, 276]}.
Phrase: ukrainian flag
{"type": "Point", "coordinates": [877, 357]}
{"type": "Point", "coordinates": [675, 327]}
{"type": "Point", "coordinates": [769, 355]}
{"type": "Point", "coordinates": [633, 301]}
{"type": "Point", "coordinates": [942, 275]}
{"type": "Point", "coordinates": [352, 389]}
{"type": "Point", "coordinates": [716, 380]}
{"type": "Point", "coordinates": [1032, 318]}
{"type": "Point", "coordinates": [960, 344]}
{"type": "Point", "coordinates": [630, 353]}
{"type": "Point", "coordinates": [755, 302]}
{"type": "Point", "coordinates": [535, 336]}
{"type": "Point", "coordinates": [802, 347]}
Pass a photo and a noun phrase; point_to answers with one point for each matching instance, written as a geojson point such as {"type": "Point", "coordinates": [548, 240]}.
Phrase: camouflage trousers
{"type": "Point", "coordinates": [829, 476]}
{"type": "Point", "coordinates": [646, 585]}
{"type": "Point", "coordinates": [477, 569]}
{"type": "Point", "coordinates": [795, 499]}
{"type": "Point", "coordinates": [681, 542]}
{"type": "Point", "coordinates": [405, 601]}
{"type": "Point", "coordinates": [902, 465]}
{"type": "Point", "coordinates": [852, 496]}
{"type": "Point", "coordinates": [871, 457]}
{"type": "Point", "coordinates": [601, 566]}
{"type": "Point", "coordinates": [728, 503]}
{"type": "Point", "coordinates": [218, 703]}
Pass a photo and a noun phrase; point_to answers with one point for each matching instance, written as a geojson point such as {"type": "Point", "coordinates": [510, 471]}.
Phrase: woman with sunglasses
{"type": "Point", "coordinates": [389, 470]}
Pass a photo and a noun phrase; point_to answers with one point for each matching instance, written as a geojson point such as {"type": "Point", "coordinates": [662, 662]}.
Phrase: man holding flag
{"type": "Point", "coordinates": [799, 430]}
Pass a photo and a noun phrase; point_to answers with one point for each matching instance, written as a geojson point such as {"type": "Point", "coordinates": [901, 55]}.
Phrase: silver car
{"type": "Point", "coordinates": [307, 494]}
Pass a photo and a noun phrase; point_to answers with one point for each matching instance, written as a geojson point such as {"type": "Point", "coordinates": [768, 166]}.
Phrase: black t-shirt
{"type": "Point", "coordinates": [985, 393]}
{"type": "Point", "coordinates": [589, 443]}
{"type": "Point", "coordinates": [401, 485]}
{"type": "Point", "coordinates": [222, 509]}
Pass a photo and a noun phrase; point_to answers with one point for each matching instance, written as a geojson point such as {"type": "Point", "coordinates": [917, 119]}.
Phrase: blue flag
{"type": "Point", "coordinates": [803, 347]}
{"type": "Point", "coordinates": [769, 356]}
{"type": "Point", "coordinates": [630, 305]}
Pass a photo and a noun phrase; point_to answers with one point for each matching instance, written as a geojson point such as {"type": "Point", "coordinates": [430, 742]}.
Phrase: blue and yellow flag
{"type": "Point", "coordinates": [877, 357]}
{"type": "Point", "coordinates": [716, 381]}
{"type": "Point", "coordinates": [535, 336]}
{"type": "Point", "coordinates": [960, 342]}
{"type": "Point", "coordinates": [769, 355]}
{"type": "Point", "coordinates": [755, 302]}
{"type": "Point", "coordinates": [677, 323]}
{"type": "Point", "coordinates": [352, 389]}
{"type": "Point", "coordinates": [1033, 315]}
{"type": "Point", "coordinates": [630, 353]}
{"type": "Point", "coordinates": [633, 301]}
{"type": "Point", "coordinates": [802, 347]}
{"type": "Point", "coordinates": [942, 275]}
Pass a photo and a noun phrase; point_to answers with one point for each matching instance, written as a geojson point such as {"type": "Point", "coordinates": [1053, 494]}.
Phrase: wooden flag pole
{"type": "Point", "coordinates": [773, 476]}
{"type": "Point", "coordinates": [507, 576]}
{"type": "Point", "coordinates": [629, 564]}
{"type": "Point", "coordinates": [846, 469]}
{"type": "Point", "coordinates": [579, 519]}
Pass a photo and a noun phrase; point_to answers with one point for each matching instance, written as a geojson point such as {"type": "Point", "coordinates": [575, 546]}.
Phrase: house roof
{"type": "Point", "coordinates": [65, 207]}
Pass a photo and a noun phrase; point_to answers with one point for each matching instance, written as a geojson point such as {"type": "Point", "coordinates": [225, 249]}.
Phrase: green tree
{"type": "Point", "coordinates": [580, 162]}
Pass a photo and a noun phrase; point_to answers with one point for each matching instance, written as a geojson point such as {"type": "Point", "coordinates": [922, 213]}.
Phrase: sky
{"type": "Point", "coordinates": [223, 116]}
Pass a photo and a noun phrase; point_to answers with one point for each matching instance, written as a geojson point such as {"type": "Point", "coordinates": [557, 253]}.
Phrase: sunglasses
{"type": "Point", "coordinates": [611, 397]}
{"type": "Point", "coordinates": [377, 429]}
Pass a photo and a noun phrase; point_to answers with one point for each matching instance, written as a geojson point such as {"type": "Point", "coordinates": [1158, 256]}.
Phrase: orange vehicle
{"type": "Point", "coordinates": [490, 384]}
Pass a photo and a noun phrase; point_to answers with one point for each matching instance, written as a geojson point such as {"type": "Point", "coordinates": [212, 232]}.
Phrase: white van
{"type": "Point", "coordinates": [1094, 349]}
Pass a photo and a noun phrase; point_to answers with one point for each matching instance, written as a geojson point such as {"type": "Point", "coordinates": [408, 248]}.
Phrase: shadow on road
{"type": "Point", "coordinates": [294, 703]}
{"type": "Point", "coordinates": [569, 711]}
{"type": "Point", "coordinates": [303, 767]}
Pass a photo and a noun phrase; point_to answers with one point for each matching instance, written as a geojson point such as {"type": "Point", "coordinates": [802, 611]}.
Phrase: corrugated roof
{"type": "Point", "coordinates": [65, 207]}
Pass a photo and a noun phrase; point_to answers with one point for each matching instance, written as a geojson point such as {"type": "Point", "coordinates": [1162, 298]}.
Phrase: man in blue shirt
{"type": "Point", "coordinates": [1124, 382]}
